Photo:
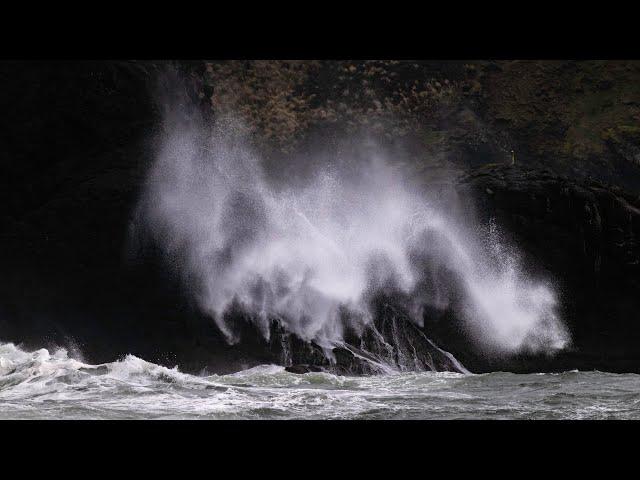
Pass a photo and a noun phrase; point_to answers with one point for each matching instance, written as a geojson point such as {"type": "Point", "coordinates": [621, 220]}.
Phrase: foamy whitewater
{"type": "Point", "coordinates": [50, 385]}
{"type": "Point", "coordinates": [307, 251]}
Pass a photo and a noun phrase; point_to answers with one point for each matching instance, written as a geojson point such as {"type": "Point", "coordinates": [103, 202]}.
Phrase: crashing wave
{"type": "Point", "coordinates": [313, 255]}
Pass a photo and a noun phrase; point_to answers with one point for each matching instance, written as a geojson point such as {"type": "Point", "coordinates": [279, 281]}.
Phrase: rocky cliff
{"type": "Point", "coordinates": [78, 138]}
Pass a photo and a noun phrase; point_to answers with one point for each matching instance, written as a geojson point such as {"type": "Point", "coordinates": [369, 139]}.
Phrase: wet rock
{"type": "Point", "coordinates": [391, 342]}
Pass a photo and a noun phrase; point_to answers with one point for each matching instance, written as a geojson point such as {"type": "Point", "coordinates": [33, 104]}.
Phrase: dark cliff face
{"type": "Point", "coordinates": [77, 139]}
{"type": "Point", "coordinates": [74, 148]}
{"type": "Point", "coordinates": [586, 237]}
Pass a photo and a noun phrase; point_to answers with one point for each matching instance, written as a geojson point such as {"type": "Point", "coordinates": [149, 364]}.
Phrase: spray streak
{"type": "Point", "coordinates": [307, 254]}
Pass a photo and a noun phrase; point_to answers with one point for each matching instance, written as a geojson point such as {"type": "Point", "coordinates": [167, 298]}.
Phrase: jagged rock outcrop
{"type": "Point", "coordinates": [392, 342]}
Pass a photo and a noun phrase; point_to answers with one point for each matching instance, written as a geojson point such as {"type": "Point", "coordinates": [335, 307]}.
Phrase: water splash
{"type": "Point", "coordinates": [308, 253]}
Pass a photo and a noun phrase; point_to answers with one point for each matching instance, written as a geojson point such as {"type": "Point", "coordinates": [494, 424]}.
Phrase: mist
{"type": "Point", "coordinates": [309, 251]}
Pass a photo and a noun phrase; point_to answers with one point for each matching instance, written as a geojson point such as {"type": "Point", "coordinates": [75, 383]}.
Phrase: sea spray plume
{"type": "Point", "coordinates": [306, 253]}
{"type": "Point", "coordinates": [476, 275]}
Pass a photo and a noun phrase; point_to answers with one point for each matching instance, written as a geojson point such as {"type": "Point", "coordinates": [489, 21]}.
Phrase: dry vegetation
{"type": "Point", "coordinates": [576, 117]}
{"type": "Point", "coordinates": [281, 101]}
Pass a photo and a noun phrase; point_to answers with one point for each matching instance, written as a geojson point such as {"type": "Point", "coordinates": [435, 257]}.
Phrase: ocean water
{"type": "Point", "coordinates": [51, 385]}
